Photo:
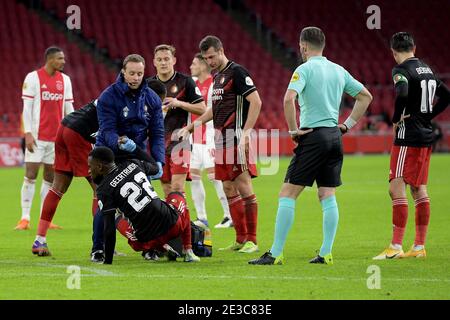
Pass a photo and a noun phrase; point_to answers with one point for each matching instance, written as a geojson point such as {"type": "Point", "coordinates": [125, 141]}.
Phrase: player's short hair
{"type": "Point", "coordinates": [314, 36]}
{"type": "Point", "coordinates": [157, 86]}
{"type": "Point", "coordinates": [402, 42]}
{"type": "Point", "coordinates": [208, 42]}
{"type": "Point", "coordinates": [200, 58]}
{"type": "Point", "coordinates": [51, 51]}
{"type": "Point", "coordinates": [134, 57]}
{"type": "Point", "coordinates": [102, 154]}
{"type": "Point", "coordinates": [168, 47]}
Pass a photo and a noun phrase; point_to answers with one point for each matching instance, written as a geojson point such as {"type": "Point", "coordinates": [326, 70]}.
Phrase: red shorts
{"type": "Point", "coordinates": [176, 163]}
{"type": "Point", "coordinates": [181, 228]}
{"type": "Point", "coordinates": [157, 244]}
{"type": "Point", "coordinates": [411, 164]}
{"type": "Point", "coordinates": [230, 163]}
{"type": "Point", "coordinates": [71, 152]}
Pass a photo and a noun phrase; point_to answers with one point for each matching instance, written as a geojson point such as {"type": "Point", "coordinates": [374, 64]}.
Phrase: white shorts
{"type": "Point", "coordinates": [202, 156]}
{"type": "Point", "coordinates": [44, 152]}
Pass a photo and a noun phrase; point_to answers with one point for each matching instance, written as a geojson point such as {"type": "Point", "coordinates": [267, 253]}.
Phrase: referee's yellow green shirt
{"type": "Point", "coordinates": [319, 84]}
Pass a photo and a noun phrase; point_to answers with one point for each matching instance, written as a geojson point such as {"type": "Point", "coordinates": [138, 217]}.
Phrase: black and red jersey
{"type": "Point", "coordinates": [230, 108]}
{"type": "Point", "coordinates": [83, 121]}
{"type": "Point", "coordinates": [128, 190]}
{"type": "Point", "coordinates": [419, 85]}
{"type": "Point", "coordinates": [183, 88]}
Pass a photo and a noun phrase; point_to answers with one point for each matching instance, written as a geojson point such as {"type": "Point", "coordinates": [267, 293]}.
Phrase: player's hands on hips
{"type": "Point", "coordinates": [183, 133]}
{"type": "Point", "coordinates": [295, 136]}
{"type": "Point", "coordinates": [126, 144]}
{"type": "Point", "coordinates": [160, 172]}
{"type": "Point", "coordinates": [30, 142]}
{"type": "Point", "coordinates": [402, 118]}
{"type": "Point", "coordinates": [343, 128]}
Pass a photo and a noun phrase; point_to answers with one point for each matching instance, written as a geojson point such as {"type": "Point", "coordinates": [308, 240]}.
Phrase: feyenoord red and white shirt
{"type": "Point", "coordinates": [204, 134]}
{"type": "Point", "coordinates": [51, 98]}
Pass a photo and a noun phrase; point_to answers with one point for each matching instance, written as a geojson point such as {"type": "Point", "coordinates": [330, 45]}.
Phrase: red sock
{"type": "Point", "coordinates": [94, 205]}
{"type": "Point", "coordinates": [186, 233]}
{"type": "Point", "coordinates": [186, 225]}
{"type": "Point", "coordinates": [251, 216]}
{"type": "Point", "coordinates": [237, 212]}
{"type": "Point", "coordinates": [399, 219]}
{"type": "Point", "coordinates": [123, 227]}
{"type": "Point", "coordinates": [422, 220]}
{"type": "Point", "coordinates": [48, 211]}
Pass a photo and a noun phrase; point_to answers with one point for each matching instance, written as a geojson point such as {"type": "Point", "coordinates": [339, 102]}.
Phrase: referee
{"type": "Point", "coordinates": [319, 84]}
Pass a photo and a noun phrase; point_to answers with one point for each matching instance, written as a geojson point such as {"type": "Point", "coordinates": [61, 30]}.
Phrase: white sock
{"type": "Point", "coordinates": [41, 239]}
{"type": "Point", "coordinates": [222, 197]}
{"type": "Point", "coordinates": [198, 196]}
{"type": "Point", "coordinates": [396, 246]}
{"type": "Point", "coordinates": [27, 194]}
{"type": "Point", "coordinates": [45, 187]}
{"type": "Point", "coordinates": [418, 247]}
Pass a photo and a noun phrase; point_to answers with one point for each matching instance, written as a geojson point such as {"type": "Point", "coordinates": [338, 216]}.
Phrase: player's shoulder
{"type": "Point", "coordinates": [65, 77]}
{"type": "Point", "coordinates": [107, 92]}
{"type": "Point", "coordinates": [302, 71]}
{"type": "Point", "coordinates": [412, 67]}
{"type": "Point", "coordinates": [182, 80]}
{"type": "Point", "coordinates": [32, 76]}
{"type": "Point", "coordinates": [337, 66]}
{"type": "Point", "coordinates": [179, 76]}
{"type": "Point", "coordinates": [423, 68]}
{"type": "Point", "coordinates": [108, 95]}
{"type": "Point", "coordinates": [303, 67]}
{"type": "Point", "coordinates": [236, 67]}
{"type": "Point", "coordinates": [400, 69]}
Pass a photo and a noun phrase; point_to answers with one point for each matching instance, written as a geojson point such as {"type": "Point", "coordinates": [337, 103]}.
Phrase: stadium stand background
{"type": "Point", "coordinates": [112, 29]}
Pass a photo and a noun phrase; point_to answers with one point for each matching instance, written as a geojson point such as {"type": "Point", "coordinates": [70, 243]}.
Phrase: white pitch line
{"type": "Point", "coordinates": [105, 273]}
{"type": "Point", "coordinates": [205, 277]}
{"type": "Point", "coordinates": [101, 272]}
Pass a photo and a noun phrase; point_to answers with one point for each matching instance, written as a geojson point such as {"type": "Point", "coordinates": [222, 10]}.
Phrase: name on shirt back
{"type": "Point", "coordinates": [123, 174]}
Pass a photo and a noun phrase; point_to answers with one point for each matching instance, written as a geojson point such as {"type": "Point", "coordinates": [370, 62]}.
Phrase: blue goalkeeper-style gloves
{"type": "Point", "coordinates": [128, 146]}
{"type": "Point", "coordinates": [160, 172]}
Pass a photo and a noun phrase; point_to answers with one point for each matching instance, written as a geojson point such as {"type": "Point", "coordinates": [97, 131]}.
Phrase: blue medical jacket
{"type": "Point", "coordinates": [136, 114]}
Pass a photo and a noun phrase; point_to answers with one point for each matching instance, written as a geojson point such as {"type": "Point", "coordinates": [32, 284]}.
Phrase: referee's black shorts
{"type": "Point", "coordinates": [318, 157]}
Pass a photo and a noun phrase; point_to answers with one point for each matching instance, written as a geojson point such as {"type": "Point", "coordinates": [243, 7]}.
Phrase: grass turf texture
{"type": "Point", "coordinates": [364, 231]}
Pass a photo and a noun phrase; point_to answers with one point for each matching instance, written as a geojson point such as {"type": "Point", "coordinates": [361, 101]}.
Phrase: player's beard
{"type": "Point", "coordinates": [59, 67]}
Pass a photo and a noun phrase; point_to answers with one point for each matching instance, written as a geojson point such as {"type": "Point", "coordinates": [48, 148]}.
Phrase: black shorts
{"type": "Point", "coordinates": [318, 157]}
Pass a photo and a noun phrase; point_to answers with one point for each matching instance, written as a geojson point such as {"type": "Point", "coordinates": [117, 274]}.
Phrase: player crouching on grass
{"type": "Point", "coordinates": [124, 188]}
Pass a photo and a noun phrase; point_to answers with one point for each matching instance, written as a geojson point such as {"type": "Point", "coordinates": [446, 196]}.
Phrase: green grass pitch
{"type": "Point", "coordinates": [364, 230]}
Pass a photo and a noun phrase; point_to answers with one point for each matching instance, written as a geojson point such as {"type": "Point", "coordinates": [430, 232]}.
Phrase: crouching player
{"type": "Point", "coordinates": [125, 188]}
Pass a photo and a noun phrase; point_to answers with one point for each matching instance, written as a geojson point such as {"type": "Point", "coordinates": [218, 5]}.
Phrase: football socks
{"type": "Point", "coordinates": [330, 223]}
{"type": "Point", "coordinates": [283, 223]}
{"type": "Point", "coordinates": [251, 216]}
{"type": "Point", "coordinates": [422, 220]}
{"type": "Point", "coordinates": [27, 195]}
{"type": "Point", "coordinates": [399, 219]}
